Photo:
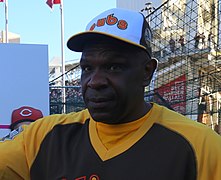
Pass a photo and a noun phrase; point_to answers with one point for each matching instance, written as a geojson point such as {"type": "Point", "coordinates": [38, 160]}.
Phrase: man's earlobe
{"type": "Point", "coordinates": [150, 68]}
{"type": "Point", "coordinates": [147, 74]}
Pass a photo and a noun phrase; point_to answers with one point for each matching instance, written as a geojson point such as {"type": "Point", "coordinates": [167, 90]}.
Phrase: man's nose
{"type": "Point", "coordinates": [97, 80]}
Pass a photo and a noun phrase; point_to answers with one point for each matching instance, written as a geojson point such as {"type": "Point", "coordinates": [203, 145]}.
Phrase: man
{"type": "Point", "coordinates": [24, 116]}
{"type": "Point", "coordinates": [119, 136]}
{"type": "Point", "coordinates": [182, 43]}
{"type": "Point", "coordinates": [172, 44]}
{"type": "Point", "coordinates": [203, 37]}
{"type": "Point", "coordinates": [20, 117]}
{"type": "Point", "coordinates": [197, 40]}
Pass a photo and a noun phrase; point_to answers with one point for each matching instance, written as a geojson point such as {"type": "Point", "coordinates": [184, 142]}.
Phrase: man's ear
{"type": "Point", "coordinates": [150, 68]}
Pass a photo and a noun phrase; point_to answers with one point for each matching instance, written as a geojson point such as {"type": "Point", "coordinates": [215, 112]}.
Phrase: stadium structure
{"type": "Point", "coordinates": [12, 37]}
{"type": "Point", "coordinates": [186, 42]}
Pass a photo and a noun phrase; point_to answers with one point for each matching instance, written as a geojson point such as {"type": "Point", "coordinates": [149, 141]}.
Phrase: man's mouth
{"type": "Point", "coordinates": [99, 103]}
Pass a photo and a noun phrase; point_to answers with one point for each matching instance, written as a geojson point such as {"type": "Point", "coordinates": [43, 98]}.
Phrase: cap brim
{"type": "Point", "coordinates": [78, 41]}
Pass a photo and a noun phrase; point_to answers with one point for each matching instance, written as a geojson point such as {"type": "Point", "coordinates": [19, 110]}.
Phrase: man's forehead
{"type": "Point", "coordinates": [106, 51]}
{"type": "Point", "coordinates": [103, 53]}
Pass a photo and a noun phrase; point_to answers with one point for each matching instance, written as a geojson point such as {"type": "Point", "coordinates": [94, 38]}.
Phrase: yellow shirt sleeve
{"type": "Point", "coordinates": [13, 164]}
{"type": "Point", "coordinates": [19, 149]}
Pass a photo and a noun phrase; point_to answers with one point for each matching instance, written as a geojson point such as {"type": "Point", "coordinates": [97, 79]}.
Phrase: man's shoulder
{"type": "Point", "coordinates": [44, 125]}
{"type": "Point", "coordinates": [73, 117]}
{"type": "Point", "coordinates": [191, 130]}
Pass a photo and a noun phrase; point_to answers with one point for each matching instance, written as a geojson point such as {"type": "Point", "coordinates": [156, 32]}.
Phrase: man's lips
{"type": "Point", "coordinates": [98, 99]}
{"type": "Point", "coordinates": [100, 102]}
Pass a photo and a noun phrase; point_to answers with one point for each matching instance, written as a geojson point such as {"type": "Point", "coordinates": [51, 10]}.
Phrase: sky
{"type": "Point", "coordinates": [36, 23]}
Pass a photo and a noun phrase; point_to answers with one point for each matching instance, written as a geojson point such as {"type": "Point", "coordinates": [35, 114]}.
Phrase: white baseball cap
{"type": "Point", "coordinates": [119, 24]}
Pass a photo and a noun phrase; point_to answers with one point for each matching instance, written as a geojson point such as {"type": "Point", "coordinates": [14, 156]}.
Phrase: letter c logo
{"type": "Point", "coordinates": [26, 112]}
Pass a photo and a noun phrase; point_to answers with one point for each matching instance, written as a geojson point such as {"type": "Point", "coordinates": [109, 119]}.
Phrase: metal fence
{"type": "Point", "coordinates": [186, 41]}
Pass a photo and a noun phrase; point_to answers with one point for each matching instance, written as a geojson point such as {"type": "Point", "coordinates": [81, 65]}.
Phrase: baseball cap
{"type": "Point", "coordinates": [24, 113]}
{"type": "Point", "coordinates": [119, 24]}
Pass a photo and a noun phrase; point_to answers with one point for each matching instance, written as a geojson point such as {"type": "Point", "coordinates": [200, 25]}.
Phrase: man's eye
{"type": "Point", "coordinates": [115, 67]}
{"type": "Point", "coordinates": [86, 68]}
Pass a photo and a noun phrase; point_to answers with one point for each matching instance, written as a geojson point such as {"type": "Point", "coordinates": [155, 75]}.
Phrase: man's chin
{"type": "Point", "coordinates": [104, 117]}
{"type": "Point", "coordinates": [99, 117]}
{"type": "Point", "coordinates": [102, 111]}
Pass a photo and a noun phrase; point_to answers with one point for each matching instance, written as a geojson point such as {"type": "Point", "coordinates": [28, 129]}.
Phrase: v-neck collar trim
{"type": "Point", "coordinates": [105, 154]}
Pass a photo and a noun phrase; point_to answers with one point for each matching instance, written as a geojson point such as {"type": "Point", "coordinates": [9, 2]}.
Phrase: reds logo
{"type": "Point", "coordinates": [26, 112]}
{"type": "Point", "coordinates": [110, 20]}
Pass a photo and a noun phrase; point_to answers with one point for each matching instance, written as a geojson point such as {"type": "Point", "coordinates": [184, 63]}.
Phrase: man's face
{"type": "Point", "coordinates": [21, 124]}
{"type": "Point", "coordinates": [112, 84]}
